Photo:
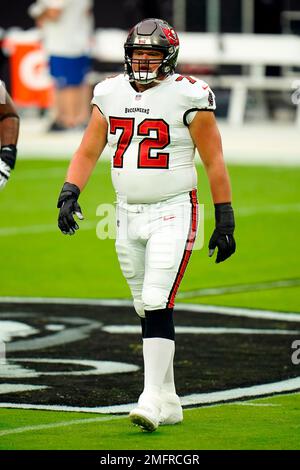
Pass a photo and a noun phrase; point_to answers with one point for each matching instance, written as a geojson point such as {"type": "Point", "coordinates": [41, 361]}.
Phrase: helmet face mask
{"type": "Point", "coordinates": [151, 35]}
{"type": "Point", "coordinates": [145, 70]}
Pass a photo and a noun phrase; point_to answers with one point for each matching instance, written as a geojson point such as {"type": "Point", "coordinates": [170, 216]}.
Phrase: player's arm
{"type": "Point", "coordinates": [51, 14]}
{"type": "Point", "coordinates": [91, 147]}
{"type": "Point", "coordinates": [206, 136]}
{"type": "Point", "coordinates": [9, 133]}
{"type": "Point", "coordinates": [80, 169]}
{"type": "Point", "coordinates": [49, 10]}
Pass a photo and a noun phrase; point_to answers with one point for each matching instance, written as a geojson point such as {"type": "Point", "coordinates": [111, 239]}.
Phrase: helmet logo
{"type": "Point", "coordinates": [171, 36]}
{"type": "Point", "coordinates": [142, 41]}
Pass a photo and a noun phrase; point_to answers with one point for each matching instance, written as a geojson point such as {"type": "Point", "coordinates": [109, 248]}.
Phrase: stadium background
{"type": "Point", "coordinates": [38, 263]}
{"type": "Point", "coordinates": [124, 13]}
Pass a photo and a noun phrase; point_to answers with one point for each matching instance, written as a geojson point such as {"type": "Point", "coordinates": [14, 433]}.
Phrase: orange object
{"type": "Point", "coordinates": [31, 83]}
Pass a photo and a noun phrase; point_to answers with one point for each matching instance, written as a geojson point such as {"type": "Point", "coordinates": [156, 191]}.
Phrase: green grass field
{"type": "Point", "coordinates": [271, 423]}
{"type": "Point", "coordinates": [38, 261]}
{"type": "Point", "coordinates": [267, 206]}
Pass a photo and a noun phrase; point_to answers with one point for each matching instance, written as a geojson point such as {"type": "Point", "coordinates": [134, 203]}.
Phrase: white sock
{"type": "Point", "coordinates": [157, 356]}
{"type": "Point", "coordinates": [169, 384]}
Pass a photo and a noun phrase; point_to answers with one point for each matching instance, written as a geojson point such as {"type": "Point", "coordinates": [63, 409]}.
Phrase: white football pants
{"type": "Point", "coordinates": [154, 244]}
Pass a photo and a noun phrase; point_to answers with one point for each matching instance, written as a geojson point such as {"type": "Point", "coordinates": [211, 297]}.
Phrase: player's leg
{"type": "Point", "coordinates": [167, 255]}
{"type": "Point", "coordinates": [159, 336]}
{"type": "Point", "coordinates": [131, 255]}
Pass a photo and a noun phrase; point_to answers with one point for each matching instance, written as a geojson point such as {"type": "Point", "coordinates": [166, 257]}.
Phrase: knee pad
{"type": "Point", "coordinates": [159, 324]}
{"type": "Point", "coordinates": [154, 298]}
{"type": "Point", "coordinates": [139, 308]}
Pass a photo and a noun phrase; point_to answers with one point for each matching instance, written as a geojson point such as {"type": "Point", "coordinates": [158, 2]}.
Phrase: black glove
{"type": "Point", "coordinates": [222, 236]}
{"type": "Point", "coordinates": [68, 205]}
{"type": "Point", "coordinates": [8, 155]}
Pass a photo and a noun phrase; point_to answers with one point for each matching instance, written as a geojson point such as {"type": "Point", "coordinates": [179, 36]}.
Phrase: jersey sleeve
{"type": "Point", "coordinates": [201, 98]}
{"type": "Point", "coordinates": [96, 100]}
{"type": "Point", "coordinates": [101, 93]}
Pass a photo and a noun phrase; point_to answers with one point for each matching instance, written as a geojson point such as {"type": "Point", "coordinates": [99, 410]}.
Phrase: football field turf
{"type": "Point", "coordinates": [38, 261]}
{"type": "Point", "coordinates": [271, 423]}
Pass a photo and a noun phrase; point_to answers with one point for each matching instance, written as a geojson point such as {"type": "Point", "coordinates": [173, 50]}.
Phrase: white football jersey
{"type": "Point", "coordinates": [152, 152]}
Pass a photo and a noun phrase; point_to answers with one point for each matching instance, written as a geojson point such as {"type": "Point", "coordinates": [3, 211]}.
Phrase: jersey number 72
{"type": "Point", "coordinates": [145, 159]}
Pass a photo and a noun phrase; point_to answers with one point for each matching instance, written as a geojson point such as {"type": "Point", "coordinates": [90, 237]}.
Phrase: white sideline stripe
{"type": "Point", "coordinates": [240, 212]}
{"type": "Point", "coordinates": [33, 229]}
{"type": "Point", "coordinates": [41, 173]}
{"type": "Point", "coordinates": [41, 427]}
{"type": "Point", "coordinates": [243, 403]}
{"type": "Point", "coordinates": [237, 393]}
{"type": "Point", "coordinates": [220, 310]}
{"type": "Point", "coordinates": [68, 301]}
{"type": "Point", "coordinates": [196, 399]}
{"type": "Point", "coordinates": [120, 329]}
{"type": "Point", "coordinates": [238, 288]}
{"type": "Point", "coordinates": [245, 211]}
{"type": "Point", "coordinates": [241, 312]}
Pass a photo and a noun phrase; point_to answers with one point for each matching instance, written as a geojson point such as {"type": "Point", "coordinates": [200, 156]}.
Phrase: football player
{"type": "Point", "coordinates": [153, 119]}
{"type": "Point", "coordinates": [9, 132]}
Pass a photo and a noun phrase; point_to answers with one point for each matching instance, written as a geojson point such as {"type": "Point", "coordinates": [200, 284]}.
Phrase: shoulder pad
{"type": "Point", "coordinates": [107, 85]}
{"type": "Point", "coordinates": [196, 93]}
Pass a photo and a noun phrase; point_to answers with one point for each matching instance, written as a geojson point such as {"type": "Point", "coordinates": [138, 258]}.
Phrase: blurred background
{"type": "Point", "coordinates": [247, 50]}
{"type": "Point", "coordinates": [249, 53]}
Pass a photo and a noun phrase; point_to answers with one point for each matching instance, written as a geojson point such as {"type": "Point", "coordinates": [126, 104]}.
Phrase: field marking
{"type": "Point", "coordinates": [67, 301]}
{"type": "Point", "coordinates": [274, 209]}
{"type": "Point", "coordinates": [243, 403]}
{"type": "Point", "coordinates": [41, 427]}
{"type": "Point", "coordinates": [195, 399]}
{"type": "Point", "coordinates": [240, 212]}
{"type": "Point", "coordinates": [109, 418]}
{"type": "Point", "coordinates": [223, 396]}
{"type": "Point", "coordinates": [90, 368]}
{"type": "Point", "coordinates": [12, 388]}
{"type": "Point", "coordinates": [200, 308]}
{"type": "Point", "coordinates": [41, 173]}
{"type": "Point", "coordinates": [43, 228]}
{"type": "Point", "coordinates": [242, 312]}
{"type": "Point", "coordinates": [190, 400]}
{"type": "Point", "coordinates": [202, 330]}
{"type": "Point", "coordinates": [239, 288]}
